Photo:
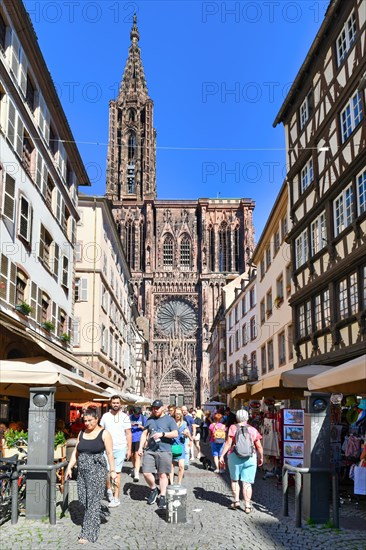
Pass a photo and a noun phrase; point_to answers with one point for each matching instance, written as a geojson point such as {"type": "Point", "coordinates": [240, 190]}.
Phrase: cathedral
{"type": "Point", "coordinates": [181, 252]}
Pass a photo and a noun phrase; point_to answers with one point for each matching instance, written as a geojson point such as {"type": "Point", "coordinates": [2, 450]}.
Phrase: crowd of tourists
{"type": "Point", "coordinates": [158, 442]}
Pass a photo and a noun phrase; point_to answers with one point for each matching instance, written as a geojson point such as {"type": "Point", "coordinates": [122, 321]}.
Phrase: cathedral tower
{"type": "Point", "coordinates": [181, 252]}
{"type": "Point", "coordinates": [131, 173]}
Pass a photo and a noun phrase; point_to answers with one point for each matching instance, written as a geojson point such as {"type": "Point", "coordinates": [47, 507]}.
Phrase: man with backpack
{"type": "Point", "coordinates": [242, 445]}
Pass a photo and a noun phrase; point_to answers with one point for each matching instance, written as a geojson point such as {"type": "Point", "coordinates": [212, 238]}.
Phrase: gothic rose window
{"type": "Point", "coordinates": [176, 317]}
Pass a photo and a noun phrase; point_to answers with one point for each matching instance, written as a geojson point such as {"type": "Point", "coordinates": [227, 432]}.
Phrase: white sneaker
{"type": "Point", "coordinates": [114, 503]}
{"type": "Point", "coordinates": [136, 478]}
{"type": "Point", "coordinates": [110, 495]}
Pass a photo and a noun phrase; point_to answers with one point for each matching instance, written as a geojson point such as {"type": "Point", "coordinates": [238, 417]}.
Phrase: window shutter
{"type": "Point", "coordinates": [65, 272]}
{"type": "Point", "coordinates": [20, 136]}
{"type": "Point", "coordinates": [84, 290]}
{"type": "Point", "coordinates": [14, 59]}
{"type": "Point", "coordinates": [56, 260]}
{"type": "Point", "coordinates": [44, 179]}
{"type": "Point", "coordinates": [54, 314]}
{"type": "Point", "coordinates": [76, 332]}
{"type": "Point", "coordinates": [33, 301]}
{"type": "Point", "coordinates": [24, 219]}
{"type": "Point", "coordinates": [4, 276]}
{"type": "Point", "coordinates": [11, 122]}
{"type": "Point", "coordinates": [78, 251]}
{"type": "Point", "coordinates": [58, 205]}
{"type": "Point", "coordinates": [9, 197]}
{"type": "Point", "coordinates": [12, 283]}
{"type": "Point", "coordinates": [23, 72]}
{"type": "Point", "coordinates": [72, 231]}
{"type": "Point", "coordinates": [42, 237]}
{"type": "Point", "coordinates": [39, 306]}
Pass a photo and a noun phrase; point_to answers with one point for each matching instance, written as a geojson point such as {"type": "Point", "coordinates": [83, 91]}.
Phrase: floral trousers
{"type": "Point", "coordinates": [92, 474]}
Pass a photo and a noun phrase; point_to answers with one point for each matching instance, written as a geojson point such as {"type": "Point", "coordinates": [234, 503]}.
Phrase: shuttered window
{"type": "Point", "coordinates": [9, 197]}
{"type": "Point", "coordinates": [76, 332]}
{"type": "Point", "coordinates": [65, 272]}
{"type": "Point", "coordinates": [25, 219]}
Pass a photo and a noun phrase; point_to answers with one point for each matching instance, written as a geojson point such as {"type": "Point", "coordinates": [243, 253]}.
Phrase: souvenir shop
{"type": "Point", "coordinates": [283, 439]}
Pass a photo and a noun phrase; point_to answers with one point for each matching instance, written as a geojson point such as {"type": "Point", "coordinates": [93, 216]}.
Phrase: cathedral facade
{"type": "Point", "coordinates": [181, 252]}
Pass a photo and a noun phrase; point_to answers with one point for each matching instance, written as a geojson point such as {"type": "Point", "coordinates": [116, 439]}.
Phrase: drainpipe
{"type": "Point", "coordinates": [94, 272]}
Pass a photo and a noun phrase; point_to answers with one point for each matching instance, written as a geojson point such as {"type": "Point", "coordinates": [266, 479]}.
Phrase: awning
{"type": "Point", "coordinates": [129, 398]}
{"type": "Point", "coordinates": [241, 392]}
{"type": "Point", "coordinates": [288, 384]}
{"type": "Point", "coordinates": [348, 378]}
{"type": "Point", "coordinates": [18, 375]}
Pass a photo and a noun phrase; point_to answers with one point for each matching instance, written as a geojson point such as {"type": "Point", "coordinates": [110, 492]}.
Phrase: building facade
{"type": "Point", "coordinates": [105, 333]}
{"type": "Point", "coordinates": [181, 253]}
{"type": "Point", "coordinates": [324, 121]}
{"type": "Point", "coordinates": [40, 171]}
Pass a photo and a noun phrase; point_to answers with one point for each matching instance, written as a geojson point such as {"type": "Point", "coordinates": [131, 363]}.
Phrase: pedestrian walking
{"type": "Point", "coordinates": [243, 444]}
{"type": "Point", "coordinates": [217, 432]}
{"type": "Point", "coordinates": [119, 426]}
{"type": "Point", "coordinates": [179, 459]}
{"type": "Point", "coordinates": [138, 422]}
{"type": "Point", "coordinates": [158, 435]}
{"type": "Point", "coordinates": [93, 445]}
{"type": "Point", "coordinates": [188, 443]}
{"type": "Point", "coordinates": [171, 410]}
{"type": "Point", "coordinates": [196, 436]}
{"type": "Point", "coordinates": [206, 424]}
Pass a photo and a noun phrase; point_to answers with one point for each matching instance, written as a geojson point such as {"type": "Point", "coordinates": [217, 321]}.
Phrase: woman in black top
{"type": "Point", "coordinates": [92, 472]}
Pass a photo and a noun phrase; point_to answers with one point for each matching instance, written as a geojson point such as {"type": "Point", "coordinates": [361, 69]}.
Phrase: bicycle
{"type": "Point", "coordinates": [8, 472]}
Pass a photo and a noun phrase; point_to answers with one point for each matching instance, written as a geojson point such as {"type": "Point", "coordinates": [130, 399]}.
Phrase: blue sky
{"type": "Point", "coordinates": [217, 72]}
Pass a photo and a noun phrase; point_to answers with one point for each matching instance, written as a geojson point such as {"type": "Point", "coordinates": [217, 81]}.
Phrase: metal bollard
{"type": "Point", "coordinates": [176, 504]}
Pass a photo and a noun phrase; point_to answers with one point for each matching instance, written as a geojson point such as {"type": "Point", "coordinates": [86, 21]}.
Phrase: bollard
{"type": "Point", "coordinates": [176, 504]}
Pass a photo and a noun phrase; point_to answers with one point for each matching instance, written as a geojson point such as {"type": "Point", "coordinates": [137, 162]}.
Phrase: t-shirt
{"type": "Point", "coordinates": [254, 434]}
{"type": "Point", "coordinates": [189, 419]}
{"type": "Point", "coordinates": [135, 429]}
{"type": "Point", "coordinates": [198, 422]}
{"type": "Point", "coordinates": [116, 424]}
{"type": "Point", "coordinates": [212, 428]}
{"type": "Point", "coordinates": [162, 424]}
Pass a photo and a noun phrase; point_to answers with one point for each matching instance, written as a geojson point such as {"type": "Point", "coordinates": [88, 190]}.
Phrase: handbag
{"type": "Point", "coordinates": [177, 450]}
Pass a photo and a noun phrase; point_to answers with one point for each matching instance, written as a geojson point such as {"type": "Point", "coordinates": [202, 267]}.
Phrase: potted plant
{"type": "Point", "coordinates": [59, 442]}
{"type": "Point", "coordinates": [24, 308]}
{"type": "Point", "coordinates": [65, 337]}
{"type": "Point", "coordinates": [278, 301]}
{"type": "Point", "coordinates": [12, 439]}
{"type": "Point", "coordinates": [48, 325]}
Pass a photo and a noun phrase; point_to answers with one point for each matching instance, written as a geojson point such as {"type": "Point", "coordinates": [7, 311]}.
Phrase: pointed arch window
{"type": "Point", "coordinates": [168, 251]}
{"type": "Point", "coordinates": [185, 252]}
{"type": "Point", "coordinates": [211, 249]}
{"type": "Point", "coordinates": [131, 148]}
{"type": "Point", "coordinates": [224, 248]}
{"type": "Point", "coordinates": [131, 115]}
{"type": "Point", "coordinates": [130, 243]}
{"type": "Point", "coordinates": [142, 248]}
{"type": "Point", "coordinates": [237, 249]}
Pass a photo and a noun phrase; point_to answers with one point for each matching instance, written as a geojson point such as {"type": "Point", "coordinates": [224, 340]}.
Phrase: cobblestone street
{"type": "Point", "coordinates": [136, 526]}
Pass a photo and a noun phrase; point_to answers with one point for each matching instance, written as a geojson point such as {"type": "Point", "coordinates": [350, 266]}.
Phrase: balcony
{"type": "Point", "coordinates": [228, 384]}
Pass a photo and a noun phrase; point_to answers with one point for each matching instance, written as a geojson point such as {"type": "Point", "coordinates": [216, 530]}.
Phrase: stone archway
{"type": "Point", "coordinates": [177, 387]}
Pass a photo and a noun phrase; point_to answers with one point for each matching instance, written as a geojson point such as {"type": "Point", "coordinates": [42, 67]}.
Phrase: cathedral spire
{"type": "Point", "coordinates": [131, 172]}
{"type": "Point", "coordinates": [133, 80]}
{"type": "Point", "coordinates": [134, 35]}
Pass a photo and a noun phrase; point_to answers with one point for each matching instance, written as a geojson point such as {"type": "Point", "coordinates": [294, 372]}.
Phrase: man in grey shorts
{"type": "Point", "coordinates": [158, 435]}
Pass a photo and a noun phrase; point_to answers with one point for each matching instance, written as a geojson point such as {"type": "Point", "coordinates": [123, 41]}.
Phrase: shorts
{"type": "Point", "coordinates": [119, 456]}
{"type": "Point", "coordinates": [197, 437]}
{"type": "Point", "coordinates": [135, 446]}
{"type": "Point", "coordinates": [216, 448]}
{"type": "Point", "coordinates": [243, 469]}
{"type": "Point", "coordinates": [157, 462]}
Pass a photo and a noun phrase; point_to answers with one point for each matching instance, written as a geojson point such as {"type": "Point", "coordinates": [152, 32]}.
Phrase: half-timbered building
{"type": "Point", "coordinates": [324, 120]}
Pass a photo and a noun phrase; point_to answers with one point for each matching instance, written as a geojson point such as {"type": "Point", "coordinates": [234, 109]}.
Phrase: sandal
{"type": "Point", "coordinates": [248, 509]}
{"type": "Point", "coordinates": [235, 505]}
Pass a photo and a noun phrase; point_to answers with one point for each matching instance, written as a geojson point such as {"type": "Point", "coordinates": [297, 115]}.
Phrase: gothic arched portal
{"type": "Point", "coordinates": [176, 387]}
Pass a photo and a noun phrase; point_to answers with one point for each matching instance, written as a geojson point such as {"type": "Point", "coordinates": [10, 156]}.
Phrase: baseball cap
{"type": "Point", "coordinates": [157, 403]}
